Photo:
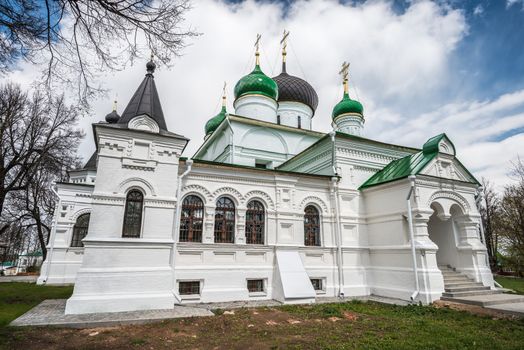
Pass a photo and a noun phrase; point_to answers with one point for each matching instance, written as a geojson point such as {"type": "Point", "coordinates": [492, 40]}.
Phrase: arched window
{"type": "Point", "coordinates": [255, 222]}
{"type": "Point", "coordinates": [299, 122]}
{"type": "Point", "coordinates": [133, 214]}
{"type": "Point", "coordinates": [311, 226]}
{"type": "Point", "coordinates": [80, 230]}
{"type": "Point", "coordinates": [191, 219]}
{"type": "Point", "coordinates": [225, 221]}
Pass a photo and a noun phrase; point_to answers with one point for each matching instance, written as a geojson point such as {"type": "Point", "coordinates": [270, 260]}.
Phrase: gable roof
{"type": "Point", "coordinates": [412, 164]}
{"type": "Point", "coordinates": [145, 101]}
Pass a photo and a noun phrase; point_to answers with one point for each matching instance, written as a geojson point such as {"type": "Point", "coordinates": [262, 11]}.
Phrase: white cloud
{"type": "Point", "coordinates": [478, 10]}
{"type": "Point", "coordinates": [399, 64]}
{"type": "Point", "coordinates": [510, 3]}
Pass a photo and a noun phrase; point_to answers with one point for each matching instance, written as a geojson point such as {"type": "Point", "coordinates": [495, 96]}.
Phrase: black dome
{"type": "Point", "coordinates": [291, 88]}
{"type": "Point", "coordinates": [112, 117]}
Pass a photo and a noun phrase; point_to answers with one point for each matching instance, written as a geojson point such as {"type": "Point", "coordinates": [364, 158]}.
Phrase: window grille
{"type": "Point", "coordinates": [191, 219]}
{"type": "Point", "coordinates": [189, 288]}
{"type": "Point", "coordinates": [80, 230]}
{"type": "Point", "coordinates": [255, 286]}
{"type": "Point", "coordinates": [311, 226]}
{"type": "Point", "coordinates": [133, 214]}
{"type": "Point", "coordinates": [255, 222]}
{"type": "Point", "coordinates": [317, 284]}
{"type": "Point", "coordinates": [225, 221]}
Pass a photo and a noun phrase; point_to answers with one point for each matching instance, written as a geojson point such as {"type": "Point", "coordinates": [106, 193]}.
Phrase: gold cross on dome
{"type": "Point", "coordinates": [283, 42]}
{"type": "Point", "coordinates": [224, 94]}
{"type": "Point", "coordinates": [344, 71]}
{"type": "Point", "coordinates": [257, 42]}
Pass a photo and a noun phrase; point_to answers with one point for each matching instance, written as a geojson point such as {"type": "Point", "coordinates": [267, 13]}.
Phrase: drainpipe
{"type": "Point", "coordinates": [338, 238]}
{"type": "Point", "coordinates": [52, 236]}
{"type": "Point", "coordinates": [338, 228]}
{"type": "Point", "coordinates": [412, 237]}
{"type": "Point", "coordinates": [176, 224]}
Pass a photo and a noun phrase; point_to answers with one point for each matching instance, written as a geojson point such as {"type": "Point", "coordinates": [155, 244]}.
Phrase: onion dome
{"type": "Point", "coordinates": [295, 89]}
{"type": "Point", "coordinates": [256, 83]}
{"type": "Point", "coordinates": [213, 123]}
{"type": "Point", "coordinates": [347, 106]}
{"type": "Point", "coordinates": [113, 117]}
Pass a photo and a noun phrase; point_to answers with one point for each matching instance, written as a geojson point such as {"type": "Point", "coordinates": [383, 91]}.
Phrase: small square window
{"type": "Point", "coordinates": [317, 284]}
{"type": "Point", "coordinates": [189, 287]}
{"type": "Point", "coordinates": [255, 286]}
{"type": "Point", "coordinates": [261, 165]}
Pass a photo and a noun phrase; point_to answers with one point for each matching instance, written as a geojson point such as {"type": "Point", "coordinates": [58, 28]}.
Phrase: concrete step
{"type": "Point", "coordinates": [465, 289]}
{"type": "Point", "coordinates": [462, 284]}
{"type": "Point", "coordinates": [487, 299]}
{"type": "Point", "coordinates": [470, 293]}
{"type": "Point", "coordinates": [450, 272]}
{"type": "Point", "coordinates": [457, 280]}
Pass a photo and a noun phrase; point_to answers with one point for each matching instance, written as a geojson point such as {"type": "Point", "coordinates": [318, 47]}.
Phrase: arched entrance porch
{"type": "Point", "coordinates": [444, 231]}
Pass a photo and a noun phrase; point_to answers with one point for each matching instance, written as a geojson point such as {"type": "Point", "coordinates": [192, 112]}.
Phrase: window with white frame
{"type": "Point", "coordinates": [256, 286]}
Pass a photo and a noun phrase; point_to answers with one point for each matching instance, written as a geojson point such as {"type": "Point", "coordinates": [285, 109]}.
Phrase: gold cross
{"type": "Point", "coordinates": [224, 94]}
{"type": "Point", "coordinates": [257, 42]}
{"type": "Point", "coordinates": [283, 42]}
{"type": "Point", "coordinates": [344, 71]}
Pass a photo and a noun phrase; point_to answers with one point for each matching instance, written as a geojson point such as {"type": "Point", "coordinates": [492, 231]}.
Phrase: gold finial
{"type": "Point", "coordinates": [114, 105]}
{"type": "Point", "coordinates": [152, 55]}
{"type": "Point", "coordinates": [283, 42]}
{"type": "Point", "coordinates": [224, 95]}
{"type": "Point", "coordinates": [344, 72]}
{"type": "Point", "coordinates": [257, 46]}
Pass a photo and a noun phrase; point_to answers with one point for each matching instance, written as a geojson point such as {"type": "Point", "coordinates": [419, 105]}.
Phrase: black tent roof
{"type": "Point", "coordinates": [145, 101]}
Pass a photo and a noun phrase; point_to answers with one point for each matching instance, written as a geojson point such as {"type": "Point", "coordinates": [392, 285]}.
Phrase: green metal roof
{"type": "Point", "coordinates": [410, 165]}
{"type": "Point", "coordinates": [399, 169]}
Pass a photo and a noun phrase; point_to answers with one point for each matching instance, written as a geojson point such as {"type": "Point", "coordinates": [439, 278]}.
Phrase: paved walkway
{"type": "Point", "coordinates": [508, 303]}
{"type": "Point", "coordinates": [51, 313]}
{"type": "Point", "coordinates": [28, 279]}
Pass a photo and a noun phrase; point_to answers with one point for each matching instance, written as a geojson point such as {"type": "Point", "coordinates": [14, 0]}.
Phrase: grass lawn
{"type": "Point", "coordinates": [351, 325]}
{"type": "Point", "coordinates": [17, 298]}
{"type": "Point", "coordinates": [517, 284]}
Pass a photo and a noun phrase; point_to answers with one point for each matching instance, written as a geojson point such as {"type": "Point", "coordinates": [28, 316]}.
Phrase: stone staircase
{"type": "Point", "coordinates": [458, 285]}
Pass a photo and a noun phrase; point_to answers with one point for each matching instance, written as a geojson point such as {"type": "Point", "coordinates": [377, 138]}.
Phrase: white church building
{"type": "Point", "coordinates": [267, 208]}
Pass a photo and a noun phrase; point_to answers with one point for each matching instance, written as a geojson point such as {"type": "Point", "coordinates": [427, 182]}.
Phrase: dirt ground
{"type": "Point", "coordinates": [330, 326]}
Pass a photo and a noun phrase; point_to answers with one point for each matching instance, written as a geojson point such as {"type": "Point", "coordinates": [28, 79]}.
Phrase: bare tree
{"type": "Point", "coordinates": [490, 213]}
{"type": "Point", "coordinates": [77, 39]}
{"type": "Point", "coordinates": [38, 138]}
{"type": "Point", "coordinates": [512, 219]}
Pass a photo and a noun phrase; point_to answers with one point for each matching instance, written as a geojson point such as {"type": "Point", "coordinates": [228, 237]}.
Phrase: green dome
{"type": "Point", "coordinates": [213, 123]}
{"type": "Point", "coordinates": [256, 83]}
{"type": "Point", "coordinates": [347, 105]}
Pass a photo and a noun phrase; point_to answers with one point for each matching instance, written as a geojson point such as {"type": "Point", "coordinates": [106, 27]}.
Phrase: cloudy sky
{"type": "Point", "coordinates": [419, 68]}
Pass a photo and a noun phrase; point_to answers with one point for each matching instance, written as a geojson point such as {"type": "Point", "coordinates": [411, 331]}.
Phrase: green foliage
{"type": "Point", "coordinates": [18, 298]}
{"type": "Point", "coordinates": [517, 284]}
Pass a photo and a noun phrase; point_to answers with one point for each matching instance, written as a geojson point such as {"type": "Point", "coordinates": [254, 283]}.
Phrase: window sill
{"type": "Point", "coordinates": [190, 297]}
{"type": "Point", "coordinates": [257, 294]}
